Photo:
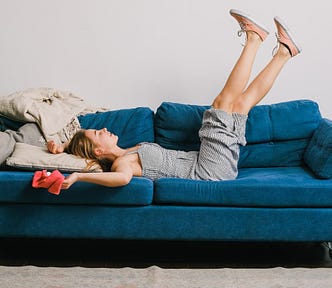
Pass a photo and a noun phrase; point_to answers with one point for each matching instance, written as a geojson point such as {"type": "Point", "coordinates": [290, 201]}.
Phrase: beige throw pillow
{"type": "Point", "coordinates": [31, 157]}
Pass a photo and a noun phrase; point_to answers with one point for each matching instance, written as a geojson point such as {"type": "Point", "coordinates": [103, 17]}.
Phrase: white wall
{"type": "Point", "coordinates": [128, 53]}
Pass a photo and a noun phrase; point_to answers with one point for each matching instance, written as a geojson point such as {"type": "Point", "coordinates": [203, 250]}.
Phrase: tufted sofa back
{"type": "Point", "coordinates": [276, 134]}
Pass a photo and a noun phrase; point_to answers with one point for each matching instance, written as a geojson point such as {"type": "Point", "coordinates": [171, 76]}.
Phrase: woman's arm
{"type": "Point", "coordinates": [120, 177]}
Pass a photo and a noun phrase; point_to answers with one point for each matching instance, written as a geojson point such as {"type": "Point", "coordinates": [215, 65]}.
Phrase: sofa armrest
{"type": "Point", "coordinates": [318, 154]}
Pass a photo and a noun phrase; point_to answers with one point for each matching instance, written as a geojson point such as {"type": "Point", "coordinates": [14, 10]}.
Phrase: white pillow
{"type": "Point", "coordinates": [31, 157]}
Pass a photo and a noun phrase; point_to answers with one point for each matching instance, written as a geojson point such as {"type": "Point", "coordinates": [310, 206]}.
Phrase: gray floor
{"type": "Point", "coordinates": [141, 254]}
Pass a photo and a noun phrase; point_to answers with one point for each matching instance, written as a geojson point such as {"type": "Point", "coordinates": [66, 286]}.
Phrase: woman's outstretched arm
{"type": "Point", "coordinates": [122, 176]}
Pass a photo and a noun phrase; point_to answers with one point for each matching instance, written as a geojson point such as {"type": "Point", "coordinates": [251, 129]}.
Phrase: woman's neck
{"type": "Point", "coordinates": [118, 152]}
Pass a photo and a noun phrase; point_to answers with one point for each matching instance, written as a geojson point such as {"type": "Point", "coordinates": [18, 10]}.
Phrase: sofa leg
{"type": "Point", "coordinates": [328, 245]}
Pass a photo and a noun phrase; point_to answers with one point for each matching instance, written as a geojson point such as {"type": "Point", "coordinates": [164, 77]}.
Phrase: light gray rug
{"type": "Point", "coordinates": [155, 277]}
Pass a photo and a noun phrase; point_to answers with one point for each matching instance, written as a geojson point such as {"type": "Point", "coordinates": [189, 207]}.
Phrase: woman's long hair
{"type": "Point", "coordinates": [82, 146]}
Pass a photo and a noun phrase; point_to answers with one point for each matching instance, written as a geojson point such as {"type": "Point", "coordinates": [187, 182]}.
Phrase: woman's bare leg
{"type": "Point", "coordinates": [235, 97]}
{"type": "Point", "coordinates": [239, 77]}
{"type": "Point", "coordinates": [262, 84]}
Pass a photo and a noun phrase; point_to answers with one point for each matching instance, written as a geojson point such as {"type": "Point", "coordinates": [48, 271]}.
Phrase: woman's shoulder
{"type": "Point", "coordinates": [129, 156]}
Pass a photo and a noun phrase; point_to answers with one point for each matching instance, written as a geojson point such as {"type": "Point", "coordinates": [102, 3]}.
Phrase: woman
{"type": "Point", "coordinates": [222, 131]}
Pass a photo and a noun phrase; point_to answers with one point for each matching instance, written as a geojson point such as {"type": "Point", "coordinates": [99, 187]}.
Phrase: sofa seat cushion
{"type": "Point", "coordinates": [254, 187]}
{"type": "Point", "coordinates": [16, 188]}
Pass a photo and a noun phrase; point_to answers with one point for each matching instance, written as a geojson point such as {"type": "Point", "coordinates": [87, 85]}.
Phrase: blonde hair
{"type": "Point", "coordinates": [80, 145]}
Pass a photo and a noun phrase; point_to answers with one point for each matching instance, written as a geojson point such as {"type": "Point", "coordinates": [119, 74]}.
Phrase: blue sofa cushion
{"type": "Point", "coordinates": [177, 125]}
{"type": "Point", "coordinates": [133, 125]}
{"type": "Point", "coordinates": [274, 127]}
{"type": "Point", "coordinates": [276, 154]}
{"type": "Point", "coordinates": [16, 188]}
{"type": "Point", "coordinates": [318, 155]}
{"type": "Point", "coordinates": [254, 187]}
{"type": "Point", "coordinates": [282, 121]}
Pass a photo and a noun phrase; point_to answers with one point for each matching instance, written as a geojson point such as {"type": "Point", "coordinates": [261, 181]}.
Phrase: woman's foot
{"type": "Point", "coordinates": [284, 37]}
{"type": "Point", "coordinates": [247, 23]}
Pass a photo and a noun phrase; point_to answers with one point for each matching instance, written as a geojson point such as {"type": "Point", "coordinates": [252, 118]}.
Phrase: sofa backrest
{"type": "Point", "coordinates": [276, 134]}
{"type": "Point", "coordinates": [132, 125]}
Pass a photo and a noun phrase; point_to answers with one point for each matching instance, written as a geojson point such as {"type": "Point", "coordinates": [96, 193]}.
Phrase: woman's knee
{"type": "Point", "coordinates": [232, 103]}
{"type": "Point", "coordinates": [241, 106]}
{"type": "Point", "coordinates": [224, 101]}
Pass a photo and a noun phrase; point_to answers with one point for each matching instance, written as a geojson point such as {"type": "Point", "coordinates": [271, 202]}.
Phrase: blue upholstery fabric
{"type": "Point", "coordinates": [273, 127]}
{"type": "Point", "coordinates": [273, 154]}
{"type": "Point", "coordinates": [282, 121]}
{"type": "Point", "coordinates": [16, 188]}
{"type": "Point", "coordinates": [254, 187]}
{"type": "Point", "coordinates": [6, 123]}
{"type": "Point", "coordinates": [133, 125]}
{"type": "Point", "coordinates": [177, 125]}
{"type": "Point", "coordinates": [318, 155]}
{"type": "Point", "coordinates": [166, 222]}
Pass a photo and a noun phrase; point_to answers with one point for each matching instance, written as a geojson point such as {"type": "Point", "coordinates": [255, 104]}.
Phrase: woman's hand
{"type": "Point", "coordinates": [69, 180]}
{"type": "Point", "coordinates": [55, 148]}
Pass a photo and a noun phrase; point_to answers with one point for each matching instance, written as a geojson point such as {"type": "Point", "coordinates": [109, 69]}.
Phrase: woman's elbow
{"type": "Point", "coordinates": [125, 180]}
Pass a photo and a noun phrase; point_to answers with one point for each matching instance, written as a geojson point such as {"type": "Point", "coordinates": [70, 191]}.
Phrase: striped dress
{"type": "Point", "coordinates": [221, 134]}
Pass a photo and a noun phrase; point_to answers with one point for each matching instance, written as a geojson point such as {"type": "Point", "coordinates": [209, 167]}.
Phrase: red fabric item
{"type": "Point", "coordinates": [53, 181]}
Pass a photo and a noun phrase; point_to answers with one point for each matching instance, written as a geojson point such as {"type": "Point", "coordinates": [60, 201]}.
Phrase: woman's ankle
{"type": "Point", "coordinates": [253, 37]}
{"type": "Point", "coordinates": [283, 51]}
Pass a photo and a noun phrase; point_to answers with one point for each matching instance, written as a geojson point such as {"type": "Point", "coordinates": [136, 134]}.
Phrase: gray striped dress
{"type": "Point", "coordinates": [221, 134]}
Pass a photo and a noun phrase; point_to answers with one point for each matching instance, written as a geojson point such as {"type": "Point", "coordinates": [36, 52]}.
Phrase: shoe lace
{"type": "Point", "coordinates": [242, 30]}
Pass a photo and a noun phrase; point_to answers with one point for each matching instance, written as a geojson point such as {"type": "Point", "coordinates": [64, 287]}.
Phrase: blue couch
{"type": "Point", "coordinates": [283, 191]}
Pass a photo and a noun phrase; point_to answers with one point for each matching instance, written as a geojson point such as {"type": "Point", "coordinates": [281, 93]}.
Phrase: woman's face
{"type": "Point", "coordinates": [103, 140]}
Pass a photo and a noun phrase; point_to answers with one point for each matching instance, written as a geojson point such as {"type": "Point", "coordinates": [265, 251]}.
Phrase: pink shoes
{"type": "Point", "coordinates": [284, 37]}
{"type": "Point", "coordinates": [249, 24]}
